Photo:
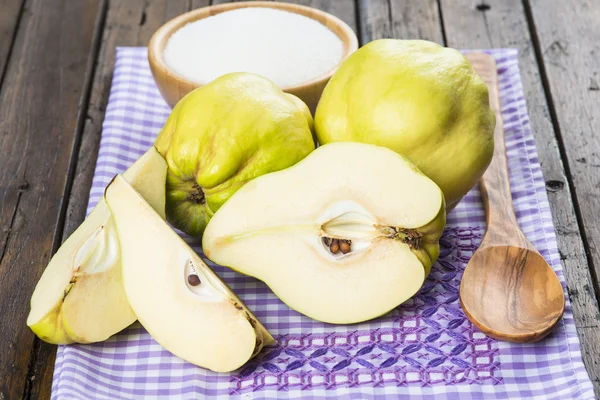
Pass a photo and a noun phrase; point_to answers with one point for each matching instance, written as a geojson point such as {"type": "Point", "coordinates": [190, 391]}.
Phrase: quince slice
{"type": "Point", "coordinates": [180, 301]}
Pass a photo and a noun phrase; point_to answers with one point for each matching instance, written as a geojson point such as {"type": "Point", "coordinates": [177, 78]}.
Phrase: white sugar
{"type": "Point", "coordinates": [285, 47]}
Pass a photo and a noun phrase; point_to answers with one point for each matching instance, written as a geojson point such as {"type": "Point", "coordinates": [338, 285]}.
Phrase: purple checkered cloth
{"type": "Point", "coordinates": [425, 348]}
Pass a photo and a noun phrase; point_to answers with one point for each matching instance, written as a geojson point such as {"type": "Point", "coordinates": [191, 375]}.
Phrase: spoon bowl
{"type": "Point", "coordinates": [508, 290]}
{"type": "Point", "coordinates": [511, 293]}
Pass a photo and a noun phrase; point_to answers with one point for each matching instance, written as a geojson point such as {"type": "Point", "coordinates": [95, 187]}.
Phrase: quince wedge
{"type": "Point", "coordinates": [224, 134]}
{"type": "Point", "coordinates": [80, 295]}
{"type": "Point", "coordinates": [344, 236]}
{"type": "Point", "coordinates": [421, 100]}
{"type": "Point", "coordinates": [180, 301]}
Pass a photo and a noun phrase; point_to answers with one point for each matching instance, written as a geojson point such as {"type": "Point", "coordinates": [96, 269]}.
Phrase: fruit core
{"type": "Point", "coordinates": [349, 227]}
{"type": "Point", "coordinates": [99, 253]}
{"type": "Point", "coordinates": [343, 228]}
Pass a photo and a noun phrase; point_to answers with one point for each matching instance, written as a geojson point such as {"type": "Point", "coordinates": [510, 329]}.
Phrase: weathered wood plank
{"type": "Point", "coordinates": [39, 377]}
{"type": "Point", "coordinates": [199, 3]}
{"type": "Point", "coordinates": [400, 19]}
{"type": "Point", "coordinates": [569, 45]}
{"type": "Point", "coordinates": [157, 12]}
{"type": "Point", "coordinates": [504, 24]}
{"type": "Point", "coordinates": [39, 103]}
{"type": "Point", "coordinates": [343, 9]}
{"type": "Point", "coordinates": [128, 23]}
{"type": "Point", "coordinates": [9, 19]}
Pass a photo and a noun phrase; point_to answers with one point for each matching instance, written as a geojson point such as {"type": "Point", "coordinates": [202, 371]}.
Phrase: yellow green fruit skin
{"type": "Point", "coordinates": [432, 232]}
{"type": "Point", "coordinates": [222, 135]}
{"type": "Point", "coordinates": [419, 99]}
{"type": "Point", "coordinates": [50, 328]}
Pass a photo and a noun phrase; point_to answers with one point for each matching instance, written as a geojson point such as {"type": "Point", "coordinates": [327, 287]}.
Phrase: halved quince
{"type": "Point", "coordinates": [344, 236]}
{"type": "Point", "coordinates": [80, 297]}
{"type": "Point", "coordinates": [180, 301]}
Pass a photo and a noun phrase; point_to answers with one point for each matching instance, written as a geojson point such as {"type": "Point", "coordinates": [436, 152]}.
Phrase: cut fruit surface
{"type": "Point", "coordinates": [344, 236]}
{"type": "Point", "coordinates": [180, 301]}
{"type": "Point", "coordinates": [80, 297]}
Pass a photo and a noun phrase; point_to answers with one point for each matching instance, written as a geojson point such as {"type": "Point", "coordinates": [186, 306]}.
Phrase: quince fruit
{"type": "Point", "coordinates": [344, 236]}
{"type": "Point", "coordinates": [224, 134]}
{"type": "Point", "coordinates": [420, 99]}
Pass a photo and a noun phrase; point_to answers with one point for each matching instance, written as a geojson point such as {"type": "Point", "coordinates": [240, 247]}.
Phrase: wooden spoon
{"type": "Point", "coordinates": [508, 290]}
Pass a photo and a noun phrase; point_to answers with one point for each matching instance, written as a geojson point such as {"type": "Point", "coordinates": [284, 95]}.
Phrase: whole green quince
{"type": "Point", "coordinates": [224, 134]}
{"type": "Point", "coordinates": [419, 99]}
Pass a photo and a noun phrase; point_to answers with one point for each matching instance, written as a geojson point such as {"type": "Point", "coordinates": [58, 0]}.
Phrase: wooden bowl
{"type": "Point", "coordinates": [173, 86]}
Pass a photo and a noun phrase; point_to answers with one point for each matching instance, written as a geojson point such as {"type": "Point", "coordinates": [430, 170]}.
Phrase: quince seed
{"type": "Point", "coordinates": [345, 246]}
{"type": "Point", "coordinates": [194, 280]}
{"type": "Point", "coordinates": [335, 246]}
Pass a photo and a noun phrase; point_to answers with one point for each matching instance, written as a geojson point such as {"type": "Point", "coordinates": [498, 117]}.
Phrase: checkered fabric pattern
{"type": "Point", "coordinates": [425, 348]}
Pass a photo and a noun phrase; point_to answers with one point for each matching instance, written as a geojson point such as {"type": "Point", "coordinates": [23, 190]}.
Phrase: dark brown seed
{"type": "Point", "coordinates": [326, 241]}
{"type": "Point", "coordinates": [345, 246]}
{"type": "Point", "coordinates": [335, 246]}
{"type": "Point", "coordinates": [194, 280]}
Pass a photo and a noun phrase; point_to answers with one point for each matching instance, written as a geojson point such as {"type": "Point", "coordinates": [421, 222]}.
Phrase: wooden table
{"type": "Point", "coordinates": [56, 61]}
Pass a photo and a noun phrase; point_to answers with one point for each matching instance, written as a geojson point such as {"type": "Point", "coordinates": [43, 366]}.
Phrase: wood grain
{"type": "Point", "coordinates": [155, 13]}
{"type": "Point", "coordinates": [400, 19]}
{"type": "Point", "coordinates": [470, 25]}
{"type": "Point", "coordinates": [343, 9]}
{"type": "Point", "coordinates": [199, 3]}
{"type": "Point", "coordinates": [125, 25]}
{"type": "Point", "coordinates": [507, 290]}
{"type": "Point", "coordinates": [568, 45]}
{"type": "Point", "coordinates": [9, 19]}
{"type": "Point", "coordinates": [41, 94]}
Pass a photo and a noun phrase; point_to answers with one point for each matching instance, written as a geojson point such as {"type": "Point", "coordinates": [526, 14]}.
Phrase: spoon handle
{"type": "Point", "coordinates": [502, 225]}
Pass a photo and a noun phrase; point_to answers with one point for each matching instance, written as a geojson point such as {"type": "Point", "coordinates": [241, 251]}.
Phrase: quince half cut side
{"type": "Point", "coordinates": [180, 301]}
{"type": "Point", "coordinates": [80, 296]}
{"type": "Point", "coordinates": [344, 236]}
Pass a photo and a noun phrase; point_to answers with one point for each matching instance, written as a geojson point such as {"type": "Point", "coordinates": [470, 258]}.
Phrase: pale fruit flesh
{"type": "Point", "coordinates": [205, 324]}
{"type": "Point", "coordinates": [80, 297]}
{"type": "Point", "coordinates": [274, 229]}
